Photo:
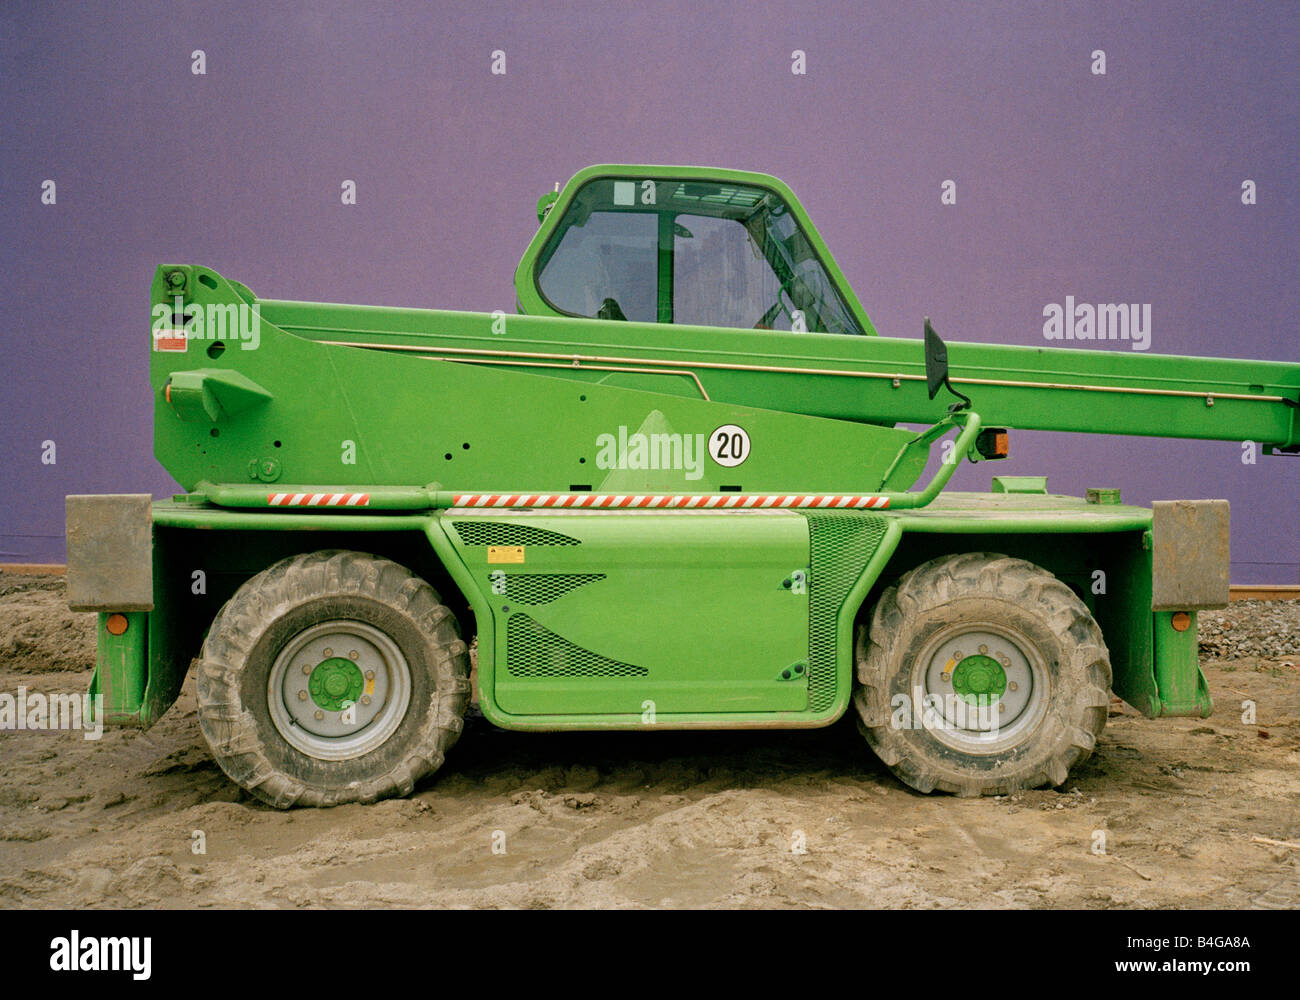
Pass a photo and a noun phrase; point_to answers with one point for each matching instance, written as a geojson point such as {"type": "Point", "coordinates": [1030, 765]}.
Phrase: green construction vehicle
{"type": "Point", "coordinates": [686, 486]}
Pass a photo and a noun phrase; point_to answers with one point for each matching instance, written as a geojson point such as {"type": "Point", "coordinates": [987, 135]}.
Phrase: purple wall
{"type": "Point", "coordinates": [1117, 188]}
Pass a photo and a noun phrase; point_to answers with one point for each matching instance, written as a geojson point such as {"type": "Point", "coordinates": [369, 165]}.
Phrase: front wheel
{"type": "Point", "coordinates": [981, 675]}
{"type": "Point", "coordinates": [332, 677]}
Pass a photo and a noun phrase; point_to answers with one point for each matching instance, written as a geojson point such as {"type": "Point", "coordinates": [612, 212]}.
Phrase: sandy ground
{"type": "Point", "coordinates": [765, 819]}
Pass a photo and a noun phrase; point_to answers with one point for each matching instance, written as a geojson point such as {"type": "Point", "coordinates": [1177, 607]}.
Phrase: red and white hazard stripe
{"type": "Point", "coordinates": [595, 501]}
{"type": "Point", "coordinates": [318, 499]}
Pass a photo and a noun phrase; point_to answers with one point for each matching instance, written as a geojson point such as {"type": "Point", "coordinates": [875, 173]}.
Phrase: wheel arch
{"type": "Point", "coordinates": [229, 556]}
{"type": "Point", "coordinates": [1122, 607]}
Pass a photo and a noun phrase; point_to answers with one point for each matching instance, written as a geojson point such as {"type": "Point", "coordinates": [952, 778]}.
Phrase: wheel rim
{"type": "Point", "coordinates": [338, 690]}
{"type": "Point", "coordinates": [985, 687]}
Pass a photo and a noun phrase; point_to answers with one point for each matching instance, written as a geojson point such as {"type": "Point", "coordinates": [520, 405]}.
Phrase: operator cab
{"type": "Point", "coordinates": [655, 248]}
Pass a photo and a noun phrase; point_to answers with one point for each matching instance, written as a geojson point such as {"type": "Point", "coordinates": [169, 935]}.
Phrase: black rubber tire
{"type": "Point", "coordinates": [279, 603]}
{"type": "Point", "coordinates": [982, 586]}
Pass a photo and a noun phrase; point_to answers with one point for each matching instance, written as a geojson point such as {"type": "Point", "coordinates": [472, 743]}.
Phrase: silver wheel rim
{"type": "Point", "coordinates": [313, 694]}
{"type": "Point", "coordinates": [988, 723]}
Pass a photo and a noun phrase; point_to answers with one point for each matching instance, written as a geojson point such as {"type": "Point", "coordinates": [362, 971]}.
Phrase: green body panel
{"type": "Point", "coordinates": [685, 609]}
{"type": "Point", "coordinates": [121, 670]}
{"type": "Point", "coordinates": [688, 612]}
{"type": "Point", "coordinates": [398, 419]}
{"type": "Point", "coordinates": [1019, 484]}
{"type": "Point", "coordinates": [1180, 684]}
{"type": "Point", "coordinates": [140, 672]}
{"type": "Point", "coordinates": [698, 601]}
{"type": "Point", "coordinates": [1126, 622]}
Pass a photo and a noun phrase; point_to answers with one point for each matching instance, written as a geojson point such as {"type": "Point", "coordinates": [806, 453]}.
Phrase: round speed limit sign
{"type": "Point", "coordinates": [729, 445]}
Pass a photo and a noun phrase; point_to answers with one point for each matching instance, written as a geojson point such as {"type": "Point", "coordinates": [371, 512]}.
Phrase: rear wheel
{"type": "Point", "coordinates": [980, 675]}
{"type": "Point", "coordinates": [332, 677]}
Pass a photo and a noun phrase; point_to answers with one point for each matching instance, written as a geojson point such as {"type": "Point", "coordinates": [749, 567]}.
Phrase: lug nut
{"type": "Point", "coordinates": [370, 675]}
{"type": "Point", "coordinates": [984, 650]}
{"type": "Point", "coordinates": [319, 715]}
{"type": "Point", "coordinates": [353, 655]}
{"type": "Point", "coordinates": [328, 652]}
{"type": "Point", "coordinates": [958, 654]}
{"type": "Point", "coordinates": [1012, 686]}
{"type": "Point", "coordinates": [365, 699]}
{"type": "Point", "coordinates": [945, 677]}
{"type": "Point", "coordinates": [306, 668]}
{"type": "Point", "coordinates": [302, 695]}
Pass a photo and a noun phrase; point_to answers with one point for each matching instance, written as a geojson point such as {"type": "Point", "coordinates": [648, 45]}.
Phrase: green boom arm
{"type": "Point", "coordinates": [875, 380]}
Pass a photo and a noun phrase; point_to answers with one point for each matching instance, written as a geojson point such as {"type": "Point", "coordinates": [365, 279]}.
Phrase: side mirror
{"type": "Point", "coordinates": [936, 368]}
{"type": "Point", "coordinates": [547, 202]}
{"type": "Point", "coordinates": [936, 360]}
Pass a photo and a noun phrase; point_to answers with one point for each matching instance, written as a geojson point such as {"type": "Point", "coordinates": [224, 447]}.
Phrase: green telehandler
{"type": "Point", "coordinates": [686, 485]}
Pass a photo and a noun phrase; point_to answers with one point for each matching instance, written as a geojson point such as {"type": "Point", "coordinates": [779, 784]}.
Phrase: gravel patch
{"type": "Point", "coordinates": [1267, 629]}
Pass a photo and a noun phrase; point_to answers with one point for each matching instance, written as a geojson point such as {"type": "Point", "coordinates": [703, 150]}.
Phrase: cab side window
{"type": "Point", "coordinates": [700, 253]}
{"type": "Point", "coordinates": [609, 262]}
{"type": "Point", "coordinates": [719, 276]}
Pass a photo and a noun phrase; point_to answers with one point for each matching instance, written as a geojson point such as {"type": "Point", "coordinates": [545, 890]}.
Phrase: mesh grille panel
{"type": "Point", "coordinates": [543, 588]}
{"type": "Point", "coordinates": [841, 543]}
{"type": "Point", "coordinates": [533, 650]}
{"type": "Point", "coordinates": [508, 533]}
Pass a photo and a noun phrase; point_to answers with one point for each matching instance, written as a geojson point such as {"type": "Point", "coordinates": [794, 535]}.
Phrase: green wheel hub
{"type": "Point", "coordinates": [335, 682]}
{"type": "Point", "coordinates": [979, 680]}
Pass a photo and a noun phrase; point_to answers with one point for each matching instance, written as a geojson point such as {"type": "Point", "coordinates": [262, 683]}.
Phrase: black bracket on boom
{"type": "Point", "coordinates": [936, 369]}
